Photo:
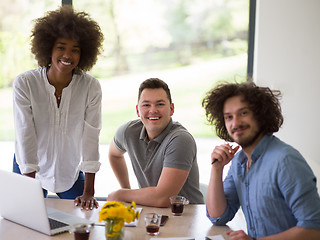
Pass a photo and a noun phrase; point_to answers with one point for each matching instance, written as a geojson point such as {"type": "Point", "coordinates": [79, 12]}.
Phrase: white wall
{"type": "Point", "coordinates": [287, 57]}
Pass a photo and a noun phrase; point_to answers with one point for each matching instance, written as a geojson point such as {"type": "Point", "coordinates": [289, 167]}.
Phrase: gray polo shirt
{"type": "Point", "coordinates": [174, 148]}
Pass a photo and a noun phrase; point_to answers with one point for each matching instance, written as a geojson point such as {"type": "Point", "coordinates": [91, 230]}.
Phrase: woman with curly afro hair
{"type": "Point", "coordinates": [57, 107]}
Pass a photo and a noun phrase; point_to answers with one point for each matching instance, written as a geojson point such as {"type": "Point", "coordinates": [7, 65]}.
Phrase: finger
{"type": "Point", "coordinates": [231, 151]}
{"type": "Point", "coordinates": [235, 149]}
{"type": "Point", "coordinates": [88, 204]}
{"type": "Point", "coordinates": [95, 203]}
{"type": "Point", "coordinates": [83, 203]}
{"type": "Point", "coordinates": [91, 204]}
{"type": "Point", "coordinates": [218, 153]}
{"type": "Point", "coordinates": [232, 233]}
{"type": "Point", "coordinates": [222, 154]}
{"type": "Point", "coordinates": [77, 201]}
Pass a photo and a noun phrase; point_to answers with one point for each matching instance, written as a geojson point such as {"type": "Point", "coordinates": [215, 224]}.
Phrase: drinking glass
{"type": "Point", "coordinates": [177, 204]}
{"type": "Point", "coordinates": [152, 221]}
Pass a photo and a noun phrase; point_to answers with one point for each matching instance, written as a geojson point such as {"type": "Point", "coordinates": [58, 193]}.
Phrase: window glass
{"type": "Point", "coordinates": [190, 44]}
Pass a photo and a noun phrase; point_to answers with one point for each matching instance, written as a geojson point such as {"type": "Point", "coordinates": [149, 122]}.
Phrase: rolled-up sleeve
{"type": "Point", "coordinates": [92, 126]}
{"type": "Point", "coordinates": [223, 219]}
{"type": "Point", "coordinates": [300, 191]}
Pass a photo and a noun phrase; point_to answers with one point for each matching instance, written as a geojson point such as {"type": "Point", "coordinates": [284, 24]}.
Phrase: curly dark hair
{"type": "Point", "coordinates": [154, 83]}
{"type": "Point", "coordinates": [263, 102]}
{"type": "Point", "coordinates": [66, 23]}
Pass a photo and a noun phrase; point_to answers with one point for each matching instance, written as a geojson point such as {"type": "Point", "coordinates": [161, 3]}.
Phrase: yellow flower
{"type": "Point", "coordinates": [112, 213]}
{"type": "Point", "coordinates": [121, 212]}
{"type": "Point", "coordinates": [129, 218]}
{"type": "Point", "coordinates": [118, 211]}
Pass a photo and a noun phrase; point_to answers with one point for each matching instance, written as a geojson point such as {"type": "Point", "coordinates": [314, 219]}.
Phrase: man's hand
{"type": "Point", "coordinates": [223, 154]}
{"type": "Point", "coordinates": [113, 196]}
{"type": "Point", "coordinates": [216, 201]}
{"type": "Point", "coordinates": [238, 235]}
{"type": "Point", "coordinates": [170, 183]}
{"type": "Point", "coordinates": [86, 201]}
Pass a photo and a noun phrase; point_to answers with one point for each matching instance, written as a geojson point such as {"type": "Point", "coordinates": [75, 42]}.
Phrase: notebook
{"type": "Point", "coordinates": [22, 202]}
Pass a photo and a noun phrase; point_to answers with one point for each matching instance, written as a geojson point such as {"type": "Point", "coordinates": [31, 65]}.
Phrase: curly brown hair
{"type": "Point", "coordinates": [66, 23]}
{"type": "Point", "coordinates": [263, 101]}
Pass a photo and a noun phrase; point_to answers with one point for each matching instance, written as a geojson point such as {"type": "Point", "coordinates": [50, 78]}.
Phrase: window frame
{"type": "Point", "coordinates": [251, 36]}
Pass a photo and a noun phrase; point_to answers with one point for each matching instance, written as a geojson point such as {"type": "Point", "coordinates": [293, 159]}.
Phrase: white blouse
{"type": "Point", "coordinates": [57, 142]}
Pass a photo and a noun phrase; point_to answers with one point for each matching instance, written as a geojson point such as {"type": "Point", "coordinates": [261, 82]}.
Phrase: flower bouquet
{"type": "Point", "coordinates": [115, 214]}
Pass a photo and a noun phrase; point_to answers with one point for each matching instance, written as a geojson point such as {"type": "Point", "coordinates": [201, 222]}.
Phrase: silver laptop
{"type": "Point", "coordinates": [22, 202]}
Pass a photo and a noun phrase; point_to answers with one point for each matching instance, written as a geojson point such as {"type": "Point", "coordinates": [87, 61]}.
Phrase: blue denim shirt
{"type": "Point", "coordinates": [277, 193]}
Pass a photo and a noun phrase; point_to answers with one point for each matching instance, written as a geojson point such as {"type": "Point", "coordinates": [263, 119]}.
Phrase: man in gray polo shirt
{"type": "Point", "coordinates": [163, 153]}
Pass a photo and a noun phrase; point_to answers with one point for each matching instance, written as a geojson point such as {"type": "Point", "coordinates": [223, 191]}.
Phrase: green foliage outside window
{"type": "Point", "coordinates": [143, 38]}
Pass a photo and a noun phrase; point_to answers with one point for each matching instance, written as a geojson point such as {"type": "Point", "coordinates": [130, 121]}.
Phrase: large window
{"type": "Point", "coordinates": [190, 44]}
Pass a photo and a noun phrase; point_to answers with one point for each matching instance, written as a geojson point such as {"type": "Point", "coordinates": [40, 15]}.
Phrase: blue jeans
{"type": "Point", "coordinates": [75, 191]}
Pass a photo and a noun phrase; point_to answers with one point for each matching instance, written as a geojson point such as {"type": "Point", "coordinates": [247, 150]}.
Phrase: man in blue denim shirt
{"type": "Point", "coordinates": [268, 178]}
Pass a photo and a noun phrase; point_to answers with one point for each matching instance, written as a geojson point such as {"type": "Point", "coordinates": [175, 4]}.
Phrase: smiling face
{"type": "Point", "coordinates": [65, 56]}
{"type": "Point", "coordinates": [155, 111]}
{"type": "Point", "coordinates": [240, 122]}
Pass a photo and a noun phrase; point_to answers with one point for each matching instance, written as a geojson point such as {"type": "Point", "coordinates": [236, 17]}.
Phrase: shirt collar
{"type": "Point", "coordinates": [257, 151]}
{"type": "Point", "coordinates": [261, 147]}
{"type": "Point", "coordinates": [51, 87]}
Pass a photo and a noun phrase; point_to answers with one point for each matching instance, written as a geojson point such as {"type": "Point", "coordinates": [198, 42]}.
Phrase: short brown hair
{"type": "Point", "coordinates": [154, 83]}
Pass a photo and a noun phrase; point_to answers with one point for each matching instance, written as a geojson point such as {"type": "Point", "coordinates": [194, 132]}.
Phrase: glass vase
{"type": "Point", "coordinates": [114, 229]}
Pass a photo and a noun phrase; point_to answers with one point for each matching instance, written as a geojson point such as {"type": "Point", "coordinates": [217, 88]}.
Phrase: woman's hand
{"type": "Point", "coordinates": [86, 201]}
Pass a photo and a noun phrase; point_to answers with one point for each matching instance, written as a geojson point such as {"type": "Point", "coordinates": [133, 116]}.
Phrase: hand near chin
{"type": "Point", "coordinates": [223, 154]}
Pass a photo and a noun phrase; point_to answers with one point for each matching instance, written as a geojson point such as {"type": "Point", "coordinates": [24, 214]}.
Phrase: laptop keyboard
{"type": "Point", "coordinates": [56, 224]}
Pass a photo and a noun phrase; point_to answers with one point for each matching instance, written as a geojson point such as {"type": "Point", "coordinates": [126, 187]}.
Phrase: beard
{"type": "Point", "coordinates": [249, 140]}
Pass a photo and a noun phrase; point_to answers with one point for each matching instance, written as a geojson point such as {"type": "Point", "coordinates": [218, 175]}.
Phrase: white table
{"type": "Point", "coordinates": [193, 223]}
